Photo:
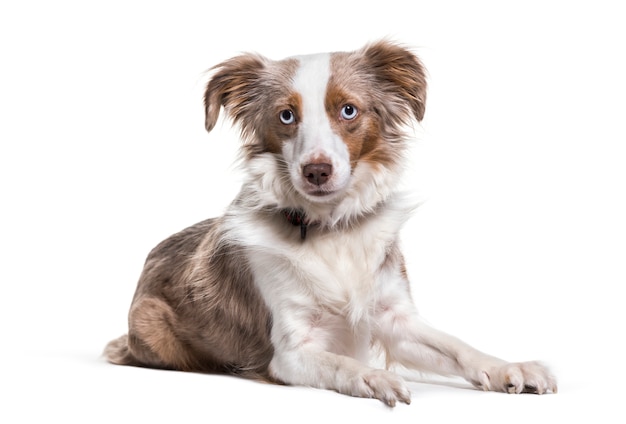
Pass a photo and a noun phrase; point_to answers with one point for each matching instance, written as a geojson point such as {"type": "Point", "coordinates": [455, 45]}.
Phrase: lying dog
{"type": "Point", "coordinates": [304, 274]}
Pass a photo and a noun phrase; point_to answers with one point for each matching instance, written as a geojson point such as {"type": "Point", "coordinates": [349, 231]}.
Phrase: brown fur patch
{"type": "Point", "coordinates": [275, 132]}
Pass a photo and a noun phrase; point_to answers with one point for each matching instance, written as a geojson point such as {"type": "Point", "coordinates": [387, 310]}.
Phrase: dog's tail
{"type": "Point", "coordinates": [118, 352]}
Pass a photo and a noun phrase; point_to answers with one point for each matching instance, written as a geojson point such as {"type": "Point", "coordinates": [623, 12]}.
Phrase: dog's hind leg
{"type": "Point", "coordinates": [151, 340]}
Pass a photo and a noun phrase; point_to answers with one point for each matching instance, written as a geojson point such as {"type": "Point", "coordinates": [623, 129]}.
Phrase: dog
{"type": "Point", "coordinates": [303, 275]}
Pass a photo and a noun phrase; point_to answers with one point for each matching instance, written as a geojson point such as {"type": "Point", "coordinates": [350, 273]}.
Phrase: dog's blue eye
{"type": "Point", "coordinates": [287, 117]}
{"type": "Point", "coordinates": [349, 112]}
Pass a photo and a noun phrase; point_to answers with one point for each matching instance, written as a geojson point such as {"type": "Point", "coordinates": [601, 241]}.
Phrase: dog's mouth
{"type": "Point", "coordinates": [321, 193]}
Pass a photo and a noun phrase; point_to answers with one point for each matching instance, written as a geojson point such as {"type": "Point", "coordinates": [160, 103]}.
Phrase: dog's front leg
{"type": "Point", "coordinates": [306, 354]}
{"type": "Point", "coordinates": [415, 344]}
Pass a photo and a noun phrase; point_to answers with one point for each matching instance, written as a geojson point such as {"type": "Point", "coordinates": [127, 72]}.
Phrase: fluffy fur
{"type": "Point", "coordinates": [250, 294]}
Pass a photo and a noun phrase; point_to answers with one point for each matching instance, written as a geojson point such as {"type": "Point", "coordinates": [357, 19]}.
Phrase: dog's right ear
{"type": "Point", "coordinates": [232, 86]}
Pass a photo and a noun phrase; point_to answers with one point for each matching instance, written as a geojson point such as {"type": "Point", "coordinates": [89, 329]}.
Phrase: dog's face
{"type": "Point", "coordinates": [322, 114]}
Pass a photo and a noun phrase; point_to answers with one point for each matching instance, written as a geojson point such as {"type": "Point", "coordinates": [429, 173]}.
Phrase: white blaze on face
{"type": "Point", "coordinates": [315, 142]}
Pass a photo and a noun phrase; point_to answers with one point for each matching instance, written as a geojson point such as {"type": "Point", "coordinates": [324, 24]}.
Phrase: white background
{"type": "Point", "coordinates": [519, 249]}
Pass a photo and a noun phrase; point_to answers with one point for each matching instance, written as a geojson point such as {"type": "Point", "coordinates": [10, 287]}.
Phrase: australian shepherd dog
{"type": "Point", "coordinates": [304, 274]}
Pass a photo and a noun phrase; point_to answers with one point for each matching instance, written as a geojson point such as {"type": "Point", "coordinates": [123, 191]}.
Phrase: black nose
{"type": "Point", "coordinates": [317, 173]}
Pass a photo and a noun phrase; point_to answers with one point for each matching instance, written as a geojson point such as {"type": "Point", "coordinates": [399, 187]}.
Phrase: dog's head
{"type": "Point", "coordinates": [324, 115]}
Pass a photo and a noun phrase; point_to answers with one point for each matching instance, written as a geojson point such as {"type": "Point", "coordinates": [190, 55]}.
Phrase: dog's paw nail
{"type": "Point", "coordinates": [510, 388]}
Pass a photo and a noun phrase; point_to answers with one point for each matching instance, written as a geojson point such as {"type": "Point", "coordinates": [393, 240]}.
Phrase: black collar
{"type": "Point", "coordinates": [297, 217]}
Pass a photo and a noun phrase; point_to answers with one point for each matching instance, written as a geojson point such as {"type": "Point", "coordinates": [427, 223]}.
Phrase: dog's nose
{"type": "Point", "coordinates": [317, 173]}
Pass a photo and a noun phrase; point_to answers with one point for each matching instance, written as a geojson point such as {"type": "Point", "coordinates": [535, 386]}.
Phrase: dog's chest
{"type": "Point", "coordinates": [342, 264]}
{"type": "Point", "coordinates": [337, 271]}
{"type": "Point", "coordinates": [342, 275]}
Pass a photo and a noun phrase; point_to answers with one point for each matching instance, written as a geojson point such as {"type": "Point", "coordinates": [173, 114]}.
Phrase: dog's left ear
{"type": "Point", "coordinates": [399, 71]}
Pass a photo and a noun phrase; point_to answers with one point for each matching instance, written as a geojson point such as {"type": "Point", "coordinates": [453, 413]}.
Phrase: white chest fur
{"type": "Point", "coordinates": [332, 270]}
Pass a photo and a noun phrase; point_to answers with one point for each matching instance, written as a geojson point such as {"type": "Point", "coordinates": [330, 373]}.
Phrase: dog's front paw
{"type": "Point", "coordinates": [382, 385]}
{"type": "Point", "coordinates": [520, 377]}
